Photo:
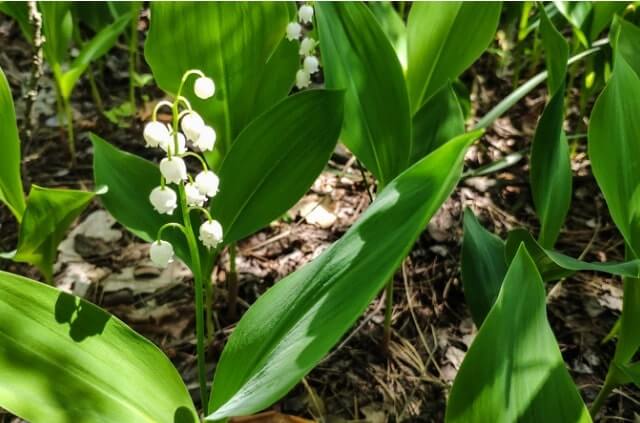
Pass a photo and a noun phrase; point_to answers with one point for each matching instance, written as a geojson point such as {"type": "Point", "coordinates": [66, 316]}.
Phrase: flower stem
{"type": "Point", "coordinates": [609, 384]}
{"type": "Point", "coordinates": [388, 311]}
{"type": "Point", "coordinates": [70, 137]}
{"type": "Point", "coordinates": [199, 297]}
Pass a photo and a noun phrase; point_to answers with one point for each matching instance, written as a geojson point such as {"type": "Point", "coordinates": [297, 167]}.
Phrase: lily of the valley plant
{"type": "Point", "coordinates": [187, 128]}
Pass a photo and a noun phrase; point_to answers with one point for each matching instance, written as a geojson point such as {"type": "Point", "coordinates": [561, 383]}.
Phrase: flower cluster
{"type": "Point", "coordinates": [194, 192]}
{"type": "Point", "coordinates": [310, 62]}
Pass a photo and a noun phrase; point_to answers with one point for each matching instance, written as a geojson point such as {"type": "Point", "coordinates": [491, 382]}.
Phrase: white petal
{"type": "Point", "coordinates": [305, 13]}
{"type": "Point", "coordinates": [155, 134]}
{"type": "Point", "coordinates": [164, 200]}
{"type": "Point", "coordinates": [204, 87]}
{"type": "Point", "coordinates": [303, 79]}
{"type": "Point", "coordinates": [294, 31]}
{"type": "Point", "coordinates": [210, 233]}
{"type": "Point", "coordinates": [161, 253]}
{"type": "Point", "coordinates": [174, 169]}
{"type": "Point", "coordinates": [207, 183]}
{"type": "Point", "coordinates": [311, 64]}
{"type": "Point", "coordinates": [207, 139]}
{"type": "Point", "coordinates": [192, 124]}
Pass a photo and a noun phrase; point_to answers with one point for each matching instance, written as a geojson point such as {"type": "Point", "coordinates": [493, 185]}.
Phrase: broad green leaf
{"type": "Point", "coordinates": [19, 11]}
{"type": "Point", "coordinates": [626, 40]}
{"type": "Point", "coordinates": [393, 26]}
{"type": "Point", "coordinates": [274, 161]}
{"type": "Point", "coordinates": [631, 372]}
{"type": "Point", "coordinates": [358, 57]}
{"type": "Point", "coordinates": [65, 360]}
{"type": "Point", "coordinates": [553, 265]}
{"type": "Point", "coordinates": [601, 14]}
{"type": "Point", "coordinates": [231, 43]}
{"type": "Point", "coordinates": [576, 13]}
{"type": "Point", "coordinates": [443, 39]}
{"type": "Point", "coordinates": [614, 150]}
{"type": "Point", "coordinates": [438, 120]}
{"type": "Point", "coordinates": [551, 177]}
{"type": "Point", "coordinates": [514, 370]}
{"type": "Point", "coordinates": [99, 15]}
{"type": "Point", "coordinates": [129, 180]}
{"type": "Point", "coordinates": [10, 181]}
{"type": "Point", "coordinates": [57, 27]}
{"type": "Point", "coordinates": [47, 217]}
{"type": "Point", "coordinates": [98, 46]}
{"type": "Point", "coordinates": [295, 323]}
{"type": "Point", "coordinates": [483, 267]}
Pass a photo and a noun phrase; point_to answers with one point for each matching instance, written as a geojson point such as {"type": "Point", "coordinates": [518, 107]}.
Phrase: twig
{"type": "Point", "coordinates": [35, 19]}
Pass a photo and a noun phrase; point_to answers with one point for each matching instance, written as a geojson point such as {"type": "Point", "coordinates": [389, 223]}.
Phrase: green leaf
{"type": "Point", "coordinates": [576, 14]}
{"type": "Point", "coordinates": [551, 177]}
{"type": "Point", "coordinates": [57, 28]}
{"type": "Point", "coordinates": [97, 47]}
{"type": "Point", "coordinates": [443, 39]}
{"type": "Point", "coordinates": [626, 40]}
{"type": "Point", "coordinates": [358, 57]}
{"type": "Point", "coordinates": [614, 131]}
{"type": "Point", "coordinates": [393, 26]}
{"type": "Point", "coordinates": [601, 15]}
{"type": "Point", "coordinates": [483, 267]}
{"type": "Point", "coordinates": [295, 323]}
{"type": "Point", "coordinates": [64, 360]}
{"type": "Point", "coordinates": [438, 120]}
{"type": "Point", "coordinates": [514, 370]}
{"type": "Point", "coordinates": [553, 265]}
{"type": "Point", "coordinates": [10, 182]}
{"type": "Point", "coordinates": [231, 43]}
{"type": "Point", "coordinates": [48, 215]}
{"type": "Point", "coordinates": [287, 145]}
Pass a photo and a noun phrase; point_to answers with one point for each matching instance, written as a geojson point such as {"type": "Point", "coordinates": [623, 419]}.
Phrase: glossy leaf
{"type": "Point", "coordinates": [57, 28]}
{"type": "Point", "coordinates": [295, 323]}
{"type": "Point", "coordinates": [11, 192]}
{"type": "Point", "coordinates": [483, 267]}
{"type": "Point", "coordinates": [440, 45]}
{"type": "Point", "coordinates": [626, 41]}
{"type": "Point", "coordinates": [601, 15]}
{"type": "Point", "coordinates": [393, 26]}
{"type": "Point", "coordinates": [47, 217]}
{"type": "Point", "coordinates": [438, 120]}
{"type": "Point", "coordinates": [288, 145]}
{"type": "Point", "coordinates": [97, 47]}
{"type": "Point", "coordinates": [358, 57]}
{"type": "Point", "coordinates": [231, 43]}
{"type": "Point", "coordinates": [551, 177]}
{"type": "Point", "coordinates": [63, 360]}
{"type": "Point", "coordinates": [514, 370]}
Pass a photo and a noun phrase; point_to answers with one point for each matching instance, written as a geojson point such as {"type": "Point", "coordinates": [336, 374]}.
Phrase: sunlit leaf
{"type": "Point", "coordinates": [514, 370]}
{"type": "Point", "coordinates": [295, 323]}
{"type": "Point", "coordinates": [65, 360]}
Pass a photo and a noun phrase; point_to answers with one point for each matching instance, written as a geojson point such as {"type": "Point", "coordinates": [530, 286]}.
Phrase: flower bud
{"type": "Point", "coordinates": [204, 87]}
{"type": "Point", "coordinates": [164, 200]}
{"type": "Point", "coordinates": [305, 13]}
{"type": "Point", "coordinates": [210, 233]}
{"type": "Point", "coordinates": [182, 144]}
{"type": "Point", "coordinates": [303, 79]}
{"type": "Point", "coordinates": [311, 64]}
{"type": "Point", "coordinates": [294, 31]}
{"type": "Point", "coordinates": [206, 140]}
{"type": "Point", "coordinates": [192, 124]}
{"type": "Point", "coordinates": [306, 46]}
{"type": "Point", "coordinates": [207, 183]}
{"type": "Point", "coordinates": [155, 134]}
{"type": "Point", "coordinates": [194, 197]}
{"type": "Point", "coordinates": [161, 253]}
{"type": "Point", "coordinates": [173, 169]}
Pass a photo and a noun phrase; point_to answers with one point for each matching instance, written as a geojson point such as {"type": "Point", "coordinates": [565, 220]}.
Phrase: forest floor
{"type": "Point", "coordinates": [432, 327]}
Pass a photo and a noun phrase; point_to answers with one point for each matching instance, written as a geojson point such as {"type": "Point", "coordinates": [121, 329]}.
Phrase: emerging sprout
{"type": "Point", "coordinates": [161, 253]}
{"type": "Point", "coordinates": [210, 233]}
{"type": "Point", "coordinates": [164, 200]}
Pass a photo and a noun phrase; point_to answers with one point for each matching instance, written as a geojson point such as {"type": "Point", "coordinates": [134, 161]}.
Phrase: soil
{"type": "Point", "coordinates": [432, 327]}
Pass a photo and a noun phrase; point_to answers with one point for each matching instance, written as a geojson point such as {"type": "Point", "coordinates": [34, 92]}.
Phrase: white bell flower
{"type": "Point", "coordinates": [192, 124]}
{"type": "Point", "coordinates": [161, 253]}
{"type": "Point", "coordinates": [303, 79]}
{"type": "Point", "coordinates": [306, 46]}
{"type": "Point", "coordinates": [311, 64]}
{"type": "Point", "coordinates": [210, 233]}
{"type": "Point", "coordinates": [207, 183]}
{"type": "Point", "coordinates": [155, 134]}
{"type": "Point", "coordinates": [207, 139]}
{"type": "Point", "coordinates": [182, 144]}
{"type": "Point", "coordinates": [173, 169]}
{"type": "Point", "coordinates": [194, 196]}
{"type": "Point", "coordinates": [305, 13]}
{"type": "Point", "coordinates": [204, 87]}
{"type": "Point", "coordinates": [164, 200]}
{"type": "Point", "coordinates": [294, 31]}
